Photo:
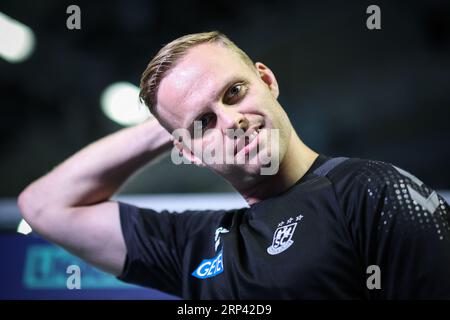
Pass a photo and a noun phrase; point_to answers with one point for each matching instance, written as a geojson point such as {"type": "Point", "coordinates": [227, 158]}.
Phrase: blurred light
{"type": "Point", "coordinates": [120, 102]}
{"type": "Point", "coordinates": [16, 40]}
{"type": "Point", "coordinates": [24, 227]}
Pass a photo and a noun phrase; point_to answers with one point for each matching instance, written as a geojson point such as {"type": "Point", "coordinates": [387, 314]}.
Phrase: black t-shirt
{"type": "Point", "coordinates": [348, 229]}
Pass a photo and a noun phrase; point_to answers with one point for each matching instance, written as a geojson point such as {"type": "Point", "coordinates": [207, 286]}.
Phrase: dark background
{"type": "Point", "coordinates": [381, 94]}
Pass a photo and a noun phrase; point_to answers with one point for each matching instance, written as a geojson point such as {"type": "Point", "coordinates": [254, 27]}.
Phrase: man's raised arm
{"type": "Point", "coordinates": [70, 205]}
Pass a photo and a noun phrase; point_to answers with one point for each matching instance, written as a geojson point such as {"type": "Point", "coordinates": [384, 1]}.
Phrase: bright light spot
{"type": "Point", "coordinates": [16, 40]}
{"type": "Point", "coordinates": [120, 102]}
{"type": "Point", "coordinates": [24, 227]}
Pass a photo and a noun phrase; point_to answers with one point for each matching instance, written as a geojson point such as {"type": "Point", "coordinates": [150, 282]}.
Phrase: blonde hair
{"type": "Point", "coordinates": [171, 53]}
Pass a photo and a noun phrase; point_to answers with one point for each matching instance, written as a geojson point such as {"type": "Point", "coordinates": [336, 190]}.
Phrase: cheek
{"type": "Point", "coordinates": [208, 139]}
{"type": "Point", "coordinates": [213, 139]}
{"type": "Point", "coordinates": [196, 143]}
{"type": "Point", "coordinates": [260, 101]}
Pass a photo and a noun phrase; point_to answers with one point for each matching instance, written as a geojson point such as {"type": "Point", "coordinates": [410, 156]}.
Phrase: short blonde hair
{"type": "Point", "coordinates": [171, 53]}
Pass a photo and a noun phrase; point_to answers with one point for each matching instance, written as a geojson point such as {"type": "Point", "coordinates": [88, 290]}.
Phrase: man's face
{"type": "Point", "coordinates": [213, 85]}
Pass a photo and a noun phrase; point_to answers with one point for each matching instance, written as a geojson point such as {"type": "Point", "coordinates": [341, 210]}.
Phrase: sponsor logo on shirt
{"type": "Point", "coordinates": [282, 237]}
{"type": "Point", "coordinates": [209, 267]}
{"type": "Point", "coordinates": [217, 236]}
{"type": "Point", "coordinates": [212, 267]}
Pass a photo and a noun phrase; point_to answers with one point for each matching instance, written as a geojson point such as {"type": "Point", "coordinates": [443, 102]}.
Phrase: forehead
{"type": "Point", "coordinates": [197, 79]}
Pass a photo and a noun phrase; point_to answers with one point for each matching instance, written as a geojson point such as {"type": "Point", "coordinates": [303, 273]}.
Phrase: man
{"type": "Point", "coordinates": [313, 229]}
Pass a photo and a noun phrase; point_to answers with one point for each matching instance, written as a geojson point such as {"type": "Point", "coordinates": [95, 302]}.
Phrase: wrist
{"type": "Point", "coordinates": [160, 139]}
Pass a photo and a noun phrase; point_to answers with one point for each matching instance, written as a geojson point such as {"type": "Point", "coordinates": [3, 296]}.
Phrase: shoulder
{"type": "Point", "coordinates": [376, 175]}
{"type": "Point", "coordinates": [372, 177]}
{"type": "Point", "coordinates": [371, 186]}
{"type": "Point", "coordinates": [394, 218]}
{"type": "Point", "coordinates": [385, 194]}
{"type": "Point", "coordinates": [188, 222]}
{"type": "Point", "coordinates": [356, 168]}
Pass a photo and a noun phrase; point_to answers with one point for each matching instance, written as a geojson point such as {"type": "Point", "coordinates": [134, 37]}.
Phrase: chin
{"type": "Point", "coordinates": [249, 172]}
{"type": "Point", "coordinates": [239, 174]}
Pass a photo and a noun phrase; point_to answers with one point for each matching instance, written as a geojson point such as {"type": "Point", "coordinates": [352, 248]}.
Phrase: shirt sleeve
{"type": "Point", "coordinates": [402, 226]}
{"type": "Point", "coordinates": [156, 244]}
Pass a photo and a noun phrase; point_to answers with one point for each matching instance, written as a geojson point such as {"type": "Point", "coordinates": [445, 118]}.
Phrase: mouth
{"type": "Point", "coordinates": [247, 142]}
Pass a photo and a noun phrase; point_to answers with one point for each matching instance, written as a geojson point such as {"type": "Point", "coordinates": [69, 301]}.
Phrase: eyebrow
{"type": "Point", "coordinates": [196, 114]}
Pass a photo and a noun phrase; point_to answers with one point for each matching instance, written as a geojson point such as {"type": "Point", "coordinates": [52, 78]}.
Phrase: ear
{"type": "Point", "coordinates": [268, 78]}
{"type": "Point", "coordinates": [187, 153]}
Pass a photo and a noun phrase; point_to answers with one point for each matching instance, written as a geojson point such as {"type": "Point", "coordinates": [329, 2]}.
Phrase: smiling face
{"type": "Point", "coordinates": [212, 84]}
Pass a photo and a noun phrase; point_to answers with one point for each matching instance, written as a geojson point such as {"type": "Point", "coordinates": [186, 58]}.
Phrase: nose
{"type": "Point", "coordinates": [231, 118]}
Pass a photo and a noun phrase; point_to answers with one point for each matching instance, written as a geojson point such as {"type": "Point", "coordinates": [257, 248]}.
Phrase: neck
{"type": "Point", "coordinates": [296, 162]}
